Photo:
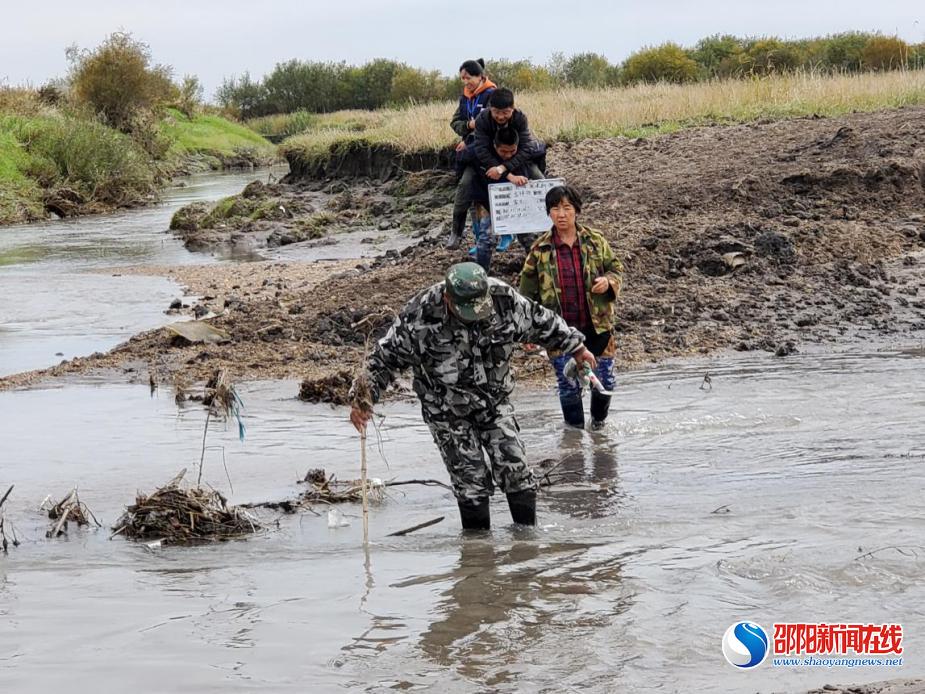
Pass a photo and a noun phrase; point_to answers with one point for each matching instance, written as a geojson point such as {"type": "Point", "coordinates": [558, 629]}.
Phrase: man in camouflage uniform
{"type": "Point", "coordinates": [458, 337]}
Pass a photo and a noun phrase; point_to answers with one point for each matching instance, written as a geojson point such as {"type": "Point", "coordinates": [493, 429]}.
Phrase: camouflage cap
{"type": "Point", "coordinates": [467, 292]}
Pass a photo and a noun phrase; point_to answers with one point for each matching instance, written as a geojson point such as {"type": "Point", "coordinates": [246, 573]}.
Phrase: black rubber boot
{"type": "Point", "coordinates": [475, 515]}
{"type": "Point", "coordinates": [600, 406]}
{"type": "Point", "coordinates": [523, 506]}
{"type": "Point", "coordinates": [573, 411]}
{"type": "Point", "coordinates": [453, 240]}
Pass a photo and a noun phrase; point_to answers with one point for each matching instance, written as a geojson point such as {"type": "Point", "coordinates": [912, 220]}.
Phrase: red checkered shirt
{"type": "Point", "coordinates": [572, 283]}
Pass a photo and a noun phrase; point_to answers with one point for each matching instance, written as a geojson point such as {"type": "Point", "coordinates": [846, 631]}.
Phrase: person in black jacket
{"type": "Point", "coordinates": [502, 114]}
{"type": "Point", "coordinates": [477, 88]}
{"type": "Point", "coordinates": [506, 147]}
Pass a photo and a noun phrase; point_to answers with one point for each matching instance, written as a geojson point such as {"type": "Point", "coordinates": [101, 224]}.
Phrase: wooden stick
{"type": "Point", "coordinates": [205, 432]}
{"type": "Point", "coordinates": [6, 495]}
{"type": "Point", "coordinates": [425, 524]}
{"type": "Point", "coordinates": [363, 484]}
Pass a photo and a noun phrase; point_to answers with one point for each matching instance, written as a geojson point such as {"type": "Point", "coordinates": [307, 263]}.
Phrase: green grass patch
{"type": "Point", "coordinates": [240, 207]}
{"type": "Point", "coordinates": [214, 136]}
{"type": "Point", "coordinates": [20, 196]}
{"type": "Point", "coordinates": [50, 160]}
{"type": "Point", "coordinates": [316, 224]}
{"type": "Point", "coordinates": [68, 164]}
{"type": "Point", "coordinates": [92, 163]}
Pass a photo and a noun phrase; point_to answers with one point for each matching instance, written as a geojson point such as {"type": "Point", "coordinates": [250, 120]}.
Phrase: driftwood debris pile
{"type": "Point", "coordinates": [175, 514]}
{"type": "Point", "coordinates": [324, 489]}
{"type": "Point", "coordinates": [69, 510]}
{"type": "Point", "coordinates": [321, 488]}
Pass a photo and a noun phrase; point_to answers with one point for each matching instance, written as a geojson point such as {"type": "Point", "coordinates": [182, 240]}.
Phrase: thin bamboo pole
{"type": "Point", "coordinates": [364, 486]}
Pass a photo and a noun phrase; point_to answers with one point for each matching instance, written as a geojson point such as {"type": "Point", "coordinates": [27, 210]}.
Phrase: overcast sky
{"type": "Point", "coordinates": [218, 38]}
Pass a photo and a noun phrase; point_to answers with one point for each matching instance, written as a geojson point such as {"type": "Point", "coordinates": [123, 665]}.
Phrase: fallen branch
{"type": "Point", "coordinates": [3, 500]}
{"type": "Point", "coordinates": [425, 524]}
{"type": "Point", "coordinates": [898, 548]}
{"type": "Point", "coordinates": [426, 483]}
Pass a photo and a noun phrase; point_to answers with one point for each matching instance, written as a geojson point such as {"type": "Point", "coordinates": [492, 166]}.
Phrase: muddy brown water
{"type": "Point", "coordinates": [696, 508]}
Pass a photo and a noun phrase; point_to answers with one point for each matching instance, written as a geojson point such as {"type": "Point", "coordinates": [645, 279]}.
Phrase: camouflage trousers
{"type": "Point", "coordinates": [461, 443]}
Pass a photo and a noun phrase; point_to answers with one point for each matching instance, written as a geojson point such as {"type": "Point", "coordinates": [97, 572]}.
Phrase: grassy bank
{"type": "Point", "coordinates": [51, 161]}
{"type": "Point", "coordinates": [214, 138]}
{"type": "Point", "coordinates": [20, 195]}
{"type": "Point", "coordinates": [641, 110]}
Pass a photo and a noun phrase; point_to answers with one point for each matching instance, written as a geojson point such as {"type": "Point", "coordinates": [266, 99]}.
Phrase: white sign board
{"type": "Point", "coordinates": [520, 209]}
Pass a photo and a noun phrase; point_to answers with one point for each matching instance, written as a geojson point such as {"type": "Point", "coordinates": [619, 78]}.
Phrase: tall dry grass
{"type": "Point", "coordinates": [576, 114]}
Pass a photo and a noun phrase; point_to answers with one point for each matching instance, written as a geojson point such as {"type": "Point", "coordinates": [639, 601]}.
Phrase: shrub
{"type": "Point", "coordinates": [843, 52]}
{"type": "Point", "coordinates": [586, 70]}
{"type": "Point", "coordinates": [117, 80]}
{"type": "Point", "coordinates": [519, 75]}
{"type": "Point", "coordinates": [189, 96]}
{"type": "Point", "coordinates": [372, 84]}
{"type": "Point", "coordinates": [410, 85]}
{"type": "Point", "coordinates": [768, 55]}
{"type": "Point", "coordinates": [719, 55]}
{"type": "Point", "coordinates": [884, 53]}
{"type": "Point", "coordinates": [296, 85]}
{"type": "Point", "coordinates": [146, 130]}
{"type": "Point", "coordinates": [666, 63]}
{"type": "Point", "coordinates": [97, 162]}
{"type": "Point", "coordinates": [20, 101]}
{"type": "Point", "coordinates": [242, 97]}
{"type": "Point", "coordinates": [53, 93]}
{"type": "Point", "coordinates": [917, 56]}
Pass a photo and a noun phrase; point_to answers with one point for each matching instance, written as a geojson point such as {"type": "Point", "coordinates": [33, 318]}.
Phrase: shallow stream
{"type": "Point", "coordinates": [777, 490]}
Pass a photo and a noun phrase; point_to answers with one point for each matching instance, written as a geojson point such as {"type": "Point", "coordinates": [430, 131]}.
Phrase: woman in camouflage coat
{"type": "Point", "coordinates": [572, 270]}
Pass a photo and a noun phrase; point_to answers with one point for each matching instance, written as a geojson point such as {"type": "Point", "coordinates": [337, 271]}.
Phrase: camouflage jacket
{"type": "Point", "coordinates": [539, 279]}
{"type": "Point", "coordinates": [462, 370]}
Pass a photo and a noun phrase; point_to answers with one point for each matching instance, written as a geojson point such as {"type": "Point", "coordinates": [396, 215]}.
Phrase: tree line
{"type": "Point", "coordinates": [321, 87]}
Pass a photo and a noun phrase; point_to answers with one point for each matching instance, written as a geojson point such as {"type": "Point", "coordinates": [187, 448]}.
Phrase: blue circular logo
{"type": "Point", "coordinates": [745, 645]}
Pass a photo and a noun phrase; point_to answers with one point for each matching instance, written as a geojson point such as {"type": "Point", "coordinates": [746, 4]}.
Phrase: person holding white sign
{"type": "Point", "coordinates": [572, 271]}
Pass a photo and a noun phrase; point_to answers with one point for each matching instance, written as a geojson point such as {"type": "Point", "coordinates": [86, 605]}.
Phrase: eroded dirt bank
{"type": "Point", "coordinates": [760, 236]}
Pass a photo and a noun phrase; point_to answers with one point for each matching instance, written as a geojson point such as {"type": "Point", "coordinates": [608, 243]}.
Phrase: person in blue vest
{"type": "Point", "coordinates": [477, 89]}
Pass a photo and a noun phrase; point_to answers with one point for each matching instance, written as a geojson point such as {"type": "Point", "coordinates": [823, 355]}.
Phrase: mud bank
{"type": "Point", "coordinates": [359, 160]}
{"type": "Point", "coordinates": [766, 236]}
{"type": "Point", "coordinates": [316, 212]}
